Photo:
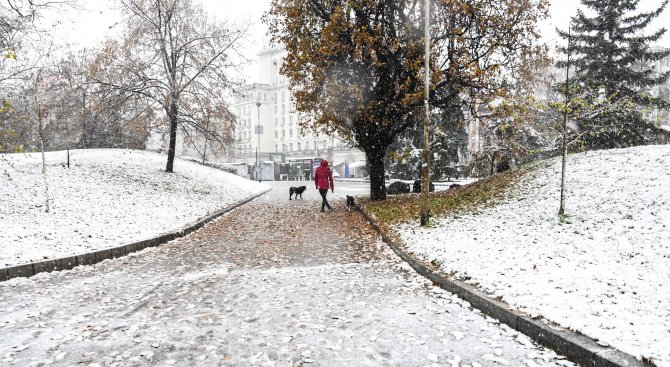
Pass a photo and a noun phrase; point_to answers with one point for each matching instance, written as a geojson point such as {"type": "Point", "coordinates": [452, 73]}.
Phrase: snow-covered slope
{"type": "Point", "coordinates": [606, 272]}
{"type": "Point", "coordinates": [106, 198]}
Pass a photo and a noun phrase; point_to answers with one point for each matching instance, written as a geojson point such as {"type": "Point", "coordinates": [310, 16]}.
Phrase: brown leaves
{"type": "Point", "coordinates": [402, 208]}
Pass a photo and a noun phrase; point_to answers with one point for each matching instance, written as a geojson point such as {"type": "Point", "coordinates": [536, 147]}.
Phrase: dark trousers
{"type": "Point", "coordinates": [324, 203]}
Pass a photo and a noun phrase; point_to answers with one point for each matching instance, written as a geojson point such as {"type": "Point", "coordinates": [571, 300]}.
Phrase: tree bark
{"type": "Point", "coordinates": [173, 134]}
{"type": "Point", "coordinates": [375, 160]}
{"type": "Point", "coordinates": [493, 162]}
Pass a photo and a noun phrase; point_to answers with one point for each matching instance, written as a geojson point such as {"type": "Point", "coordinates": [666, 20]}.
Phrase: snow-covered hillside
{"type": "Point", "coordinates": [605, 272]}
{"type": "Point", "coordinates": [106, 198]}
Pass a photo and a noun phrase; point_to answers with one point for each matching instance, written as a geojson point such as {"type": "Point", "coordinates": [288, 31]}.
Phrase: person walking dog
{"type": "Point", "coordinates": [323, 178]}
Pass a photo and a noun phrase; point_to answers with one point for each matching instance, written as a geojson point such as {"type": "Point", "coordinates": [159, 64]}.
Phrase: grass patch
{"type": "Point", "coordinates": [404, 208]}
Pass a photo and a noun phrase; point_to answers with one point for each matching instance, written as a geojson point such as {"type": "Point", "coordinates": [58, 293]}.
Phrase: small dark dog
{"type": "Point", "coordinates": [297, 191]}
{"type": "Point", "coordinates": [350, 202]}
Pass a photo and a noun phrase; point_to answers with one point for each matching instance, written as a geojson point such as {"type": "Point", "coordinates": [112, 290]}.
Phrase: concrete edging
{"type": "Point", "coordinates": [94, 257]}
{"type": "Point", "coordinates": [576, 347]}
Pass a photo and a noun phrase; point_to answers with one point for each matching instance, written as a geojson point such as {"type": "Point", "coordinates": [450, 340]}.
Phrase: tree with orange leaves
{"type": "Point", "coordinates": [355, 66]}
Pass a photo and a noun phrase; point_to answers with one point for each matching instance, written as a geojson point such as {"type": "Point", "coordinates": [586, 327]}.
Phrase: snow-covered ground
{"type": "Point", "coordinates": [106, 198]}
{"type": "Point", "coordinates": [605, 273]}
{"type": "Point", "coordinates": [176, 313]}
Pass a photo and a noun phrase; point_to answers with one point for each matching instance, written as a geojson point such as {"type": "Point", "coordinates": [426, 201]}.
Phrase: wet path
{"type": "Point", "coordinates": [274, 283]}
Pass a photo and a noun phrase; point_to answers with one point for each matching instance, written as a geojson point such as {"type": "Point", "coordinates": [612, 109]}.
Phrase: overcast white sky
{"type": "Point", "coordinates": [92, 23]}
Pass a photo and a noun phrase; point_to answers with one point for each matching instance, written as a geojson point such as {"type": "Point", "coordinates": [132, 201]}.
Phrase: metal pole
{"type": "Point", "coordinates": [41, 113]}
{"type": "Point", "coordinates": [561, 208]}
{"type": "Point", "coordinates": [258, 146]}
{"type": "Point", "coordinates": [425, 169]}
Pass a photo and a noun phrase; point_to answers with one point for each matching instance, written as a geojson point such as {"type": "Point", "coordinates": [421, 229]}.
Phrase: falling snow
{"type": "Point", "coordinates": [605, 271]}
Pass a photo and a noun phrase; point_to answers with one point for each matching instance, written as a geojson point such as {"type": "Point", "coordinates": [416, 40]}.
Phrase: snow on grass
{"type": "Point", "coordinates": [604, 272]}
{"type": "Point", "coordinates": [106, 198]}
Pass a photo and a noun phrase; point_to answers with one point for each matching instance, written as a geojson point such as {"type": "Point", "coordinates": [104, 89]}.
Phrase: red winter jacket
{"type": "Point", "coordinates": [324, 176]}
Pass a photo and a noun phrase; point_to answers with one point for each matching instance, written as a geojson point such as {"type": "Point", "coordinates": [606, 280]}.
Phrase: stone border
{"type": "Point", "coordinates": [66, 263]}
{"type": "Point", "coordinates": [576, 347]}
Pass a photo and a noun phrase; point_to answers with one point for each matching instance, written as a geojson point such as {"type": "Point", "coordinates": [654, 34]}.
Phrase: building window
{"type": "Point", "coordinates": [283, 109]}
{"type": "Point", "coordinates": [290, 132]}
{"type": "Point", "coordinates": [283, 96]}
{"type": "Point", "coordinates": [290, 147]}
{"type": "Point", "coordinates": [276, 146]}
{"type": "Point", "coordinates": [276, 121]}
{"type": "Point", "coordinates": [275, 100]}
{"type": "Point", "coordinates": [276, 134]}
{"type": "Point", "coordinates": [275, 109]}
{"type": "Point", "coordinates": [283, 121]}
{"type": "Point", "coordinates": [290, 119]}
{"type": "Point", "coordinates": [299, 147]}
{"type": "Point", "coordinates": [283, 133]}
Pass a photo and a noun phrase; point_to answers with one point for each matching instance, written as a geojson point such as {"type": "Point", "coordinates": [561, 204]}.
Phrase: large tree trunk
{"type": "Point", "coordinates": [173, 135]}
{"type": "Point", "coordinates": [375, 160]}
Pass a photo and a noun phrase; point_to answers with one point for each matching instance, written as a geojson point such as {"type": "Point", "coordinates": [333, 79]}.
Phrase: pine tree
{"type": "Point", "coordinates": [612, 60]}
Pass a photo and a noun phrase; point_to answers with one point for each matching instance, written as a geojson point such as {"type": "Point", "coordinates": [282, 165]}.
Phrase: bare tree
{"type": "Point", "coordinates": [172, 55]}
{"type": "Point", "coordinates": [208, 126]}
{"type": "Point", "coordinates": [18, 19]}
{"type": "Point", "coordinates": [18, 28]}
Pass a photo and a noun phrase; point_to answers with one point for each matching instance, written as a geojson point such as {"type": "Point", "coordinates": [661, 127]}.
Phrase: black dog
{"type": "Point", "coordinates": [297, 191]}
{"type": "Point", "coordinates": [350, 202]}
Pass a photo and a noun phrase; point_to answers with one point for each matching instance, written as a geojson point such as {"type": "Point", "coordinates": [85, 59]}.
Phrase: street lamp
{"type": "Point", "coordinates": [259, 131]}
{"type": "Point", "coordinates": [425, 169]}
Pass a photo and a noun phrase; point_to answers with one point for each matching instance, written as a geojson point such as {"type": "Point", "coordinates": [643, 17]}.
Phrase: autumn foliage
{"type": "Point", "coordinates": [355, 67]}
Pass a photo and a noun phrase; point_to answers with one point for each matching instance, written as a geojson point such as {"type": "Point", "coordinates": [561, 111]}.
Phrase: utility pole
{"type": "Point", "coordinates": [259, 130]}
{"type": "Point", "coordinates": [425, 169]}
{"type": "Point", "coordinates": [561, 208]}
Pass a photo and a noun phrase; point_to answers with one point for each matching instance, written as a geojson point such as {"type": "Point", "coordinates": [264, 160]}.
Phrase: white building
{"type": "Point", "coordinates": [267, 107]}
{"type": "Point", "coordinates": [661, 117]}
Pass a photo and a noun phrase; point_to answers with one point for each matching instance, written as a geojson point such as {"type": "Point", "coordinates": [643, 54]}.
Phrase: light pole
{"type": "Point", "coordinates": [259, 130]}
{"type": "Point", "coordinates": [561, 208]}
{"type": "Point", "coordinates": [425, 169]}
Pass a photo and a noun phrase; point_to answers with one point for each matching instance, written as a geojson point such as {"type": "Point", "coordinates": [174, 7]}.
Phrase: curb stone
{"type": "Point", "coordinates": [94, 257]}
{"type": "Point", "coordinates": [578, 348]}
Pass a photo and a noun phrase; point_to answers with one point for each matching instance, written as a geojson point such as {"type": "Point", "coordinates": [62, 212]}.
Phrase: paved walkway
{"type": "Point", "coordinates": [274, 283]}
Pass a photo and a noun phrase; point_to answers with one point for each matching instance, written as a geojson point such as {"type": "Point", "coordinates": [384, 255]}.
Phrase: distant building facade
{"type": "Point", "coordinates": [267, 123]}
{"type": "Point", "coordinates": [661, 66]}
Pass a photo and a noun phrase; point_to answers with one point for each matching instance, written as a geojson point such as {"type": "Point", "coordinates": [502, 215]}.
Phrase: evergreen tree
{"type": "Point", "coordinates": [612, 60]}
{"type": "Point", "coordinates": [448, 141]}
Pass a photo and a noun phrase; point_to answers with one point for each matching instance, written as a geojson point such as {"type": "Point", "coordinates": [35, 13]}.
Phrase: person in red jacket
{"type": "Point", "coordinates": [323, 178]}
